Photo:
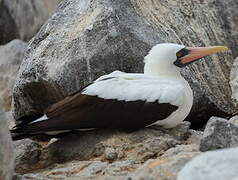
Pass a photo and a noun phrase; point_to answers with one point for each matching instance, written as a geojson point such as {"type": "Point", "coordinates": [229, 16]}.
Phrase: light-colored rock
{"type": "Point", "coordinates": [163, 168]}
{"type": "Point", "coordinates": [27, 155]}
{"type": "Point", "coordinates": [120, 149]}
{"type": "Point", "coordinates": [20, 19]}
{"type": "Point", "coordinates": [219, 133]}
{"type": "Point", "coordinates": [234, 120]}
{"type": "Point", "coordinates": [11, 56]}
{"type": "Point", "coordinates": [6, 149]}
{"type": "Point", "coordinates": [85, 170]}
{"type": "Point", "coordinates": [10, 120]}
{"type": "Point", "coordinates": [51, 5]}
{"type": "Point", "coordinates": [194, 137]}
{"type": "Point", "coordinates": [120, 168]}
{"type": "Point", "coordinates": [180, 149]}
{"type": "Point", "coordinates": [218, 165]}
{"type": "Point", "coordinates": [234, 79]}
{"type": "Point", "coordinates": [110, 154]}
{"type": "Point", "coordinates": [111, 145]}
{"type": "Point", "coordinates": [85, 39]}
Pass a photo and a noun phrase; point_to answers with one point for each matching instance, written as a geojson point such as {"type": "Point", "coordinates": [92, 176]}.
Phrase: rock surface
{"type": "Point", "coordinates": [27, 154]}
{"type": "Point", "coordinates": [20, 19]}
{"type": "Point", "coordinates": [234, 79]}
{"type": "Point", "coordinates": [110, 145]}
{"type": "Point", "coordinates": [51, 5]}
{"type": "Point", "coordinates": [219, 165]}
{"type": "Point", "coordinates": [104, 154]}
{"type": "Point", "coordinates": [234, 120]}
{"type": "Point", "coordinates": [11, 56]}
{"type": "Point", "coordinates": [163, 168]}
{"type": "Point", "coordinates": [219, 133]}
{"type": "Point", "coordinates": [85, 39]}
{"type": "Point", "coordinates": [6, 149]}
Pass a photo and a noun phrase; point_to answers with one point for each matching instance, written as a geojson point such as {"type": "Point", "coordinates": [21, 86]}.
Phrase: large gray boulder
{"type": "Point", "coordinates": [218, 165]}
{"type": "Point", "coordinates": [20, 19]}
{"type": "Point", "coordinates": [219, 133]}
{"type": "Point", "coordinates": [85, 39]}
{"type": "Point", "coordinates": [11, 56]}
{"type": "Point", "coordinates": [6, 149]}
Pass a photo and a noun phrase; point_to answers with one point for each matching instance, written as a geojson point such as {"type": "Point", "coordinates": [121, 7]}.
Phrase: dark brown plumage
{"type": "Point", "coordinates": [82, 111]}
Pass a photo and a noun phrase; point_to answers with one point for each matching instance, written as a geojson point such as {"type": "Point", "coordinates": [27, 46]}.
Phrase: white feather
{"type": "Point", "coordinates": [133, 87]}
{"type": "Point", "coordinates": [42, 118]}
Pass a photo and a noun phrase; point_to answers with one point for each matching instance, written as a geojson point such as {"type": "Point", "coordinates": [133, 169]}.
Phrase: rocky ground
{"type": "Point", "coordinates": [84, 39]}
{"type": "Point", "coordinates": [151, 153]}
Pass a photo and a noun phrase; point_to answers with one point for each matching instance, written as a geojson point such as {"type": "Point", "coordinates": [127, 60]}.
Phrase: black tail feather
{"type": "Point", "coordinates": [19, 136]}
{"type": "Point", "coordinates": [18, 133]}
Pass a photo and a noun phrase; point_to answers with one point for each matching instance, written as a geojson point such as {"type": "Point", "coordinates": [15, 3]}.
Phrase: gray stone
{"type": "Point", "coordinates": [164, 168]}
{"type": "Point", "coordinates": [84, 170]}
{"type": "Point", "coordinates": [6, 149]}
{"type": "Point", "coordinates": [20, 19]}
{"type": "Point", "coordinates": [194, 137]}
{"type": "Point", "coordinates": [234, 120]}
{"type": "Point", "coordinates": [110, 154]}
{"type": "Point", "coordinates": [219, 133]}
{"type": "Point", "coordinates": [180, 149]}
{"type": "Point", "coordinates": [121, 168]}
{"type": "Point", "coordinates": [27, 155]}
{"type": "Point", "coordinates": [51, 5]}
{"type": "Point", "coordinates": [111, 145]}
{"type": "Point", "coordinates": [218, 165]}
{"type": "Point", "coordinates": [86, 39]}
{"type": "Point", "coordinates": [11, 56]}
{"type": "Point", "coordinates": [234, 79]}
{"type": "Point", "coordinates": [8, 27]}
{"type": "Point", "coordinates": [104, 154]}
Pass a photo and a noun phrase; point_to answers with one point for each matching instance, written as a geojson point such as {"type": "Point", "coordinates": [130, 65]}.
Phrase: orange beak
{"type": "Point", "coordinates": [196, 53]}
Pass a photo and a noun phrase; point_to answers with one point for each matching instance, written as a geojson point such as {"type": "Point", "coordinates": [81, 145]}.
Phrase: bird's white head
{"type": "Point", "coordinates": [166, 59]}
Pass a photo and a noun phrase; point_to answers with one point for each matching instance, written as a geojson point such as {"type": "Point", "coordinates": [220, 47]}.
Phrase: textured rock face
{"type": "Point", "coordinates": [6, 150]}
{"type": "Point", "coordinates": [234, 120]}
{"type": "Point", "coordinates": [163, 168]}
{"type": "Point", "coordinates": [110, 145]}
{"type": "Point", "coordinates": [212, 165]}
{"type": "Point", "coordinates": [85, 39]}
{"type": "Point", "coordinates": [219, 133]}
{"type": "Point", "coordinates": [27, 153]}
{"type": "Point", "coordinates": [20, 19]}
{"type": "Point", "coordinates": [234, 79]}
{"type": "Point", "coordinates": [11, 56]}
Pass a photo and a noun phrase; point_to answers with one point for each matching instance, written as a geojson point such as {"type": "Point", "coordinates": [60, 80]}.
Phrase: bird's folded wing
{"type": "Point", "coordinates": [119, 102]}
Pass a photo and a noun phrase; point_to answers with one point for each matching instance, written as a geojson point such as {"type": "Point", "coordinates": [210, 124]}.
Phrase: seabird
{"type": "Point", "coordinates": [126, 101]}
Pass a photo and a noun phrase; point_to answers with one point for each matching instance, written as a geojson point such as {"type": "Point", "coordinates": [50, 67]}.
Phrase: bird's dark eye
{"type": "Point", "coordinates": [183, 52]}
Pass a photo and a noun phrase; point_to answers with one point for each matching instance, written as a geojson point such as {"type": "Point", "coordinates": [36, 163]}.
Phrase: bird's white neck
{"type": "Point", "coordinates": [162, 70]}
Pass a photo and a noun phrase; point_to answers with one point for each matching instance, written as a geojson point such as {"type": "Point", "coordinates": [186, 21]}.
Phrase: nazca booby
{"type": "Point", "coordinates": [126, 101]}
